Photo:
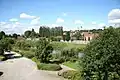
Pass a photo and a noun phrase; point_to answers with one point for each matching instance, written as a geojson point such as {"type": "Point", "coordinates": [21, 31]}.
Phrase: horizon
{"type": "Point", "coordinates": [21, 15]}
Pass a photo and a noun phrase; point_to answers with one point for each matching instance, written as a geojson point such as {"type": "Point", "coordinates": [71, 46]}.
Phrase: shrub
{"type": "Point", "coordinates": [35, 60]}
{"type": "Point", "coordinates": [57, 61]}
{"type": "Point", "coordinates": [2, 58]}
{"type": "Point", "coordinates": [49, 67]}
{"type": "Point", "coordinates": [102, 56]}
{"type": "Point", "coordinates": [70, 74]}
{"type": "Point", "coordinates": [28, 55]}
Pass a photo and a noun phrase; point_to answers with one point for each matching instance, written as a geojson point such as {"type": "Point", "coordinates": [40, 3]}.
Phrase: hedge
{"type": "Point", "coordinates": [49, 67]}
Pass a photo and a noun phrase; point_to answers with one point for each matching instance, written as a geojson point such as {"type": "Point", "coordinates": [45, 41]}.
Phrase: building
{"type": "Point", "coordinates": [87, 36]}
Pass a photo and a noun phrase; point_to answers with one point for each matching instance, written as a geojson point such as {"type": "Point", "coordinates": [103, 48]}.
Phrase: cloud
{"type": "Point", "coordinates": [19, 28]}
{"type": "Point", "coordinates": [94, 23]}
{"type": "Point", "coordinates": [36, 21]}
{"type": "Point", "coordinates": [64, 14]}
{"type": "Point", "coordinates": [59, 20]}
{"type": "Point", "coordinates": [13, 20]}
{"type": "Point", "coordinates": [101, 25]}
{"type": "Point", "coordinates": [11, 28]}
{"type": "Point", "coordinates": [26, 16]}
{"type": "Point", "coordinates": [54, 25]}
{"type": "Point", "coordinates": [114, 16]}
{"type": "Point", "coordinates": [78, 22]}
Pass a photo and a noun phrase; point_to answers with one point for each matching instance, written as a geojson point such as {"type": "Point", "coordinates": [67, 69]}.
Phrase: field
{"type": "Point", "coordinates": [62, 45]}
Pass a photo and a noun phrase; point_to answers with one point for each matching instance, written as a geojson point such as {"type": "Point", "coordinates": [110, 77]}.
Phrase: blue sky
{"type": "Point", "coordinates": [70, 14]}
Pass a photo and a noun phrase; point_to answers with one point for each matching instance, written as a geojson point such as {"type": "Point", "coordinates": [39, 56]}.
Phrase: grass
{"type": "Point", "coordinates": [62, 45]}
{"type": "Point", "coordinates": [1, 58]}
{"type": "Point", "coordinates": [74, 65]}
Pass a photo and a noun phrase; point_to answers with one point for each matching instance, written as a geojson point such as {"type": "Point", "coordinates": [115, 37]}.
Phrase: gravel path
{"type": "Point", "coordinates": [25, 69]}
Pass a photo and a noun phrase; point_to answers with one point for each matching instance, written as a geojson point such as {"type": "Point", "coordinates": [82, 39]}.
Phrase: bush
{"type": "Point", "coordinates": [28, 55]}
{"type": "Point", "coordinates": [71, 74]}
{"type": "Point", "coordinates": [35, 60]}
{"type": "Point", "coordinates": [49, 67]}
{"type": "Point", "coordinates": [2, 58]}
{"type": "Point", "coordinates": [57, 61]}
{"type": "Point", "coordinates": [102, 56]}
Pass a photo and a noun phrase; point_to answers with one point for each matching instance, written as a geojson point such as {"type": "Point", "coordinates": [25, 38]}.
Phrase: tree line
{"type": "Point", "coordinates": [44, 32]}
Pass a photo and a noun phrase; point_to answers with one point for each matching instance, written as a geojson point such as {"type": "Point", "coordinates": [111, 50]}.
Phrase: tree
{"type": "Point", "coordinates": [78, 35]}
{"type": "Point", "coordinates": [67, 37]}
{"type": "Point", "coordinates": [1, 51]}
{"type": "Point", "coordinates": [15, 36]}
{"type": "Point", "coordinates": [43, 51]}
{"type": "Point", "coordinates": [102, 56]}
{"type": "Point", "coordinates": [27, 34]}
{"type": "Point", "coordinates": [33, 34]}
{"type": "Point", "coordinates": [2, 34]}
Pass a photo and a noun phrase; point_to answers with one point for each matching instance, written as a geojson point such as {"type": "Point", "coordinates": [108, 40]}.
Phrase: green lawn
{"type": "Point", "coordinates": [74, 65]}
{"type": "Point", "coordinates": [62, 45]}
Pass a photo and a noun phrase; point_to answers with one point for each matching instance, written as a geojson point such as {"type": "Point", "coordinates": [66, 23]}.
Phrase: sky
{"type": "Point", "coordinates": [17, 16]}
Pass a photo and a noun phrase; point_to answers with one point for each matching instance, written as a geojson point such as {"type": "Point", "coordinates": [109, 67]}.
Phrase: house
{"type": "Point", "coordinates": [87, 36]}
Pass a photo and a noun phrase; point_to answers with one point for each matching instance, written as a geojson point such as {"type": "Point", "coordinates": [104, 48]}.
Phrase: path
{"type": "Point", "coordinates": [25, 69]}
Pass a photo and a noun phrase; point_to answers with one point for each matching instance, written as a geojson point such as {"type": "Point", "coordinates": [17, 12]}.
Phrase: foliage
{"type": "Point", "coordinates": [33, 34]}
{"type": "Point", "coordinates": [36, 60]}
{"type": "Point", "coordinates": [2, 58]}
{"type": "Point", "coordinates": [55, 38]}
{"type": "Point", "coordinates": [50, 67]}
{"type": "Point", "coordinates": [78, 35]}
{"type": "Point", "coordinates": [15, 36]}
{"type": "Point", "coordinates": [102, 56]}
{"type": "Point", "coordinates": [2, 35]}
{"type": "Point", "coordinates": [27, 33]}
{"type": "Point", "coordinates": [43, 51]}
{"type": "Point", "coordinates": [67, 37]}
{"type": "Point", "coordinates": [69, 54]}
{"type": "Point", "coordinates": [71, 74]}
{"type": "Point", "coordinates": [6, 43]}
{"type": "Point", "coordinates": [29, 54]}
{"type": "Point", "coordinates": [1, 51]}
{"type": "Point", "coordinates": [23, 45]}
{"type": "Point", "coordinates": [47, 32]}
{"type": "Point", "coordinates": [74, 65]}
{"type": "Point", "coordinates": [61, 45]}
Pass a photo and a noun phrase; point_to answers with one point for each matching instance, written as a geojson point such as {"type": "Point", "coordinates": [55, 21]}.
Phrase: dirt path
{"type": "Point", "coordinates": [25, 69]}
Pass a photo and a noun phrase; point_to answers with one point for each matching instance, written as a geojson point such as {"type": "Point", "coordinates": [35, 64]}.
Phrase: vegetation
{"type": "Point", "coordinates": [102, 56]}
{"type": "Point", "coordinates": [43, 51]}
{"type": "Point", "coordinates": [50, 67]}
{"type": "Point", "coordinates": [2, 58]}
{"type": "Point", "coordinates": [74, 65]}
{"type": "Point", "coordinates": [61, 45]}
{"type": "Point", "coordinates": [47, 32]}
{"type": "Point", "coordinates": [71, 74]}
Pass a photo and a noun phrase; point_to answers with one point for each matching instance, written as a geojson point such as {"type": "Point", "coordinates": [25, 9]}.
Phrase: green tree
{"type": "Point", "coordinates": [15, 36]}
{"type": "Point", "coordinates": [78, 35]}
{"type": "Point", "coordinates": [1, 51]}
{"type": "Point", "coordinates": [2, 34]}
{"type": "Point", "coordinates": [43, 51]}
{"type": "Point", "coordinates": [33, 34]}
{"type": "Point", "coordinates": [67, 37]}
{"type": "Point", "coordinates": [27, 34]}
{"type": "Point", "coordinates": [102, 56]}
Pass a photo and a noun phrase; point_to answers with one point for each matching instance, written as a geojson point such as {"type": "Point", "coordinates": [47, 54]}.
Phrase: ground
{"type": "Point", "coordinates": [25, 69]}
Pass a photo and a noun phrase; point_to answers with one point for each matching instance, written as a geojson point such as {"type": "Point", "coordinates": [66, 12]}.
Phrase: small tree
{"type": "Point", "coordinates": [102, 57]}
{"type": "Point", "coordinates": [67, 37]}
{"type": "Point", "coordinates": [1, 51]}
{"type": "Point", "coordinates": [43, 50]}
